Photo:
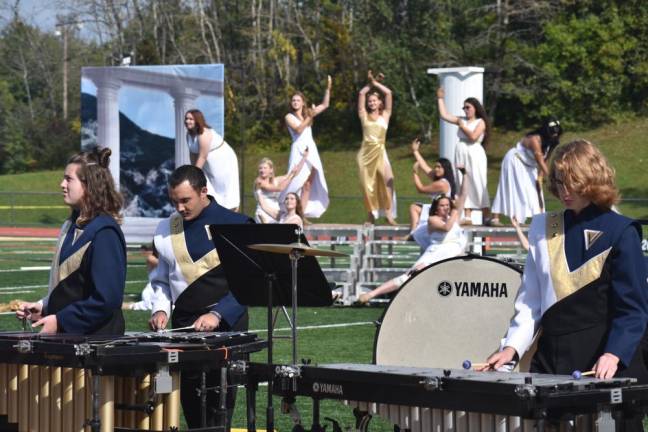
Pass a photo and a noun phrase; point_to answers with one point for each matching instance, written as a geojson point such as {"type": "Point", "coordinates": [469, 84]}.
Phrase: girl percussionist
{"type": "Point", "coordinates": [88, 273]}
{"type": "Point", "coordinates": [584, 281]}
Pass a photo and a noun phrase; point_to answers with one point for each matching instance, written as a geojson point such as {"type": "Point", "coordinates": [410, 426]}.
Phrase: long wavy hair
{"type": "Point", "coordinates": [199, 119]}
{"type": "Point", "coordinates": [480, 112]}
{"type": "Point", "coordinates": [305, 110]}
{"type": "Point", "coordinates": [583, 169]}
{"type": "Point", "coordinates": [298, 208]}
{"type": "Point", "coordinates": [99, 194]}
{"type": "Point", "coordinates": [448, 174]}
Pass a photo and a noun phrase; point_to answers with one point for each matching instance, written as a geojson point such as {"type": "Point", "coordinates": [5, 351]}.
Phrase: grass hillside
{"type": "Point", "coordinates": [623, 143]}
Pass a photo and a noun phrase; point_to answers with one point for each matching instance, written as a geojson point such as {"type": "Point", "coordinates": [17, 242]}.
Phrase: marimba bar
{"type": "Point", "coordinates": [427, 399]}
{"type": "Point", "coordinates": [67, 383]}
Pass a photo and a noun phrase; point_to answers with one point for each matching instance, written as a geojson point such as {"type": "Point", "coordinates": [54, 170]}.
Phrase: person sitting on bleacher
{"type": "Point", "coordinates": [442, 237]}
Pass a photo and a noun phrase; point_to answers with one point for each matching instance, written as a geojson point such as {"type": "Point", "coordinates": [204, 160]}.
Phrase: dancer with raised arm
{"type": "Point", "coordinates": [309, 182]}
{"type": "Point", "coordinates": [473, 135]}
{"type": "Point", "coordinates": [210, 152]}
{"type": "Point", "coordinates": [267, 188]}
{"type": "Point", "coordinates": [376, 176]}
{"type": "Point", "coordinates": [443, 183]}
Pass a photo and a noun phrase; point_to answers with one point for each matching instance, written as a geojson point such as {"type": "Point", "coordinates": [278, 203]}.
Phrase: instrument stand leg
{"type": "Point", "coordinates": [270, 278]}
{"type": "Point", "coordinates": [604, 420]}
{"type": "Point", "coordinates": [203, 399]}
{"type": "Point", "coordinates": [223, 416]}
{"type": "Point", "coordinates": [95, 422]}
{"type": "Point", "coordinates": [285, 314]}
{"type": "Point", "coordinates": [316, 426]}
{"type": "Point", "coordinates": [288, 406]}
{"type": "Point", "coordinates": [250, 396]}
{"type": "Point", "coordinates": [362, 419]}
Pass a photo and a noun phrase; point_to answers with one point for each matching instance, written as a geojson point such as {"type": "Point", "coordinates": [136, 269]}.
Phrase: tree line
{"type": "Point", "coordinates": [584, 61]}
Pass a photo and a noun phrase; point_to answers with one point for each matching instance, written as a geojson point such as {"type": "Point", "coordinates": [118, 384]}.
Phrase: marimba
{"type": "Point", "coordinates": [426, 399]}
{"type": "Point", "coordinates": [64, 383]}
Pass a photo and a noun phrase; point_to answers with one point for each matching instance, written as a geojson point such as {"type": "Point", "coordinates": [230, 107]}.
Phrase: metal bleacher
{"type": "Point", "coordinates": [379, 253]}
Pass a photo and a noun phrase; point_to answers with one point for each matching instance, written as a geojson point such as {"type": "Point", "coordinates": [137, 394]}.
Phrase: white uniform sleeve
{"type": "Point", "coordinates": [527, 308]}
{"type": "Point", "coordinates": [162, 292]}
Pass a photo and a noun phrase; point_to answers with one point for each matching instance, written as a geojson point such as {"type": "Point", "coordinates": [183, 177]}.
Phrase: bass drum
{"type": "Point", "coordinates": [454, 310]}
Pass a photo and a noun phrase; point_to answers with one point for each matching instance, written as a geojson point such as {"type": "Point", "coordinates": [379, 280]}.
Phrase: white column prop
{"type": "Point", "coordinates": [108, 116]}
{"type": "Point", "coordinates": [459, 84]}
{"type": "Point", "coordinates": [184, 99]}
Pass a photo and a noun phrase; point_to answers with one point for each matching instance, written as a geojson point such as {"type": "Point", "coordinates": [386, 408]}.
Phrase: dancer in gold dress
{"type": "Point", "coordinates": [376, 175]}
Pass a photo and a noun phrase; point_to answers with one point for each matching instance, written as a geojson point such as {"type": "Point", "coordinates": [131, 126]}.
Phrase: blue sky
{"type": "Point", "coordinates": [153, 110]}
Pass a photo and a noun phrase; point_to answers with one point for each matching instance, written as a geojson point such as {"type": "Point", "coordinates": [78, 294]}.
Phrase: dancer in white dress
{"type": "Point", "coordinates": [290, 214]}
{"type": "Point", "coordinates": [473, 136]}
{"type": "Point", "coordinates": [309, 183]}
{"type": "Point", "coordinates": [268, 187]}
{"type": "Point", "coordinates": [441, 238]}
{"type": "Point", "coordinates": [209, 152]}
{"type": "Point", "coordinates": [442, 176]}
{"type": "Point", "coordinates": [519, 192]}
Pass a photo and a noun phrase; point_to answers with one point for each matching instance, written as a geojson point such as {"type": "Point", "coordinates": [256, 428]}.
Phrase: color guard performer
{"type": "Point", "coordinates": [584, 284]}
{"type": "Point", "coordinates": [88, 275]}
{"type": "Point", "coordinates": [190, 278]}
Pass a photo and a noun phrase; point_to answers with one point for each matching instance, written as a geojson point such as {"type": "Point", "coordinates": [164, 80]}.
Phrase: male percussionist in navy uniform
{"type": "Point", "coordinates": [190, 277]}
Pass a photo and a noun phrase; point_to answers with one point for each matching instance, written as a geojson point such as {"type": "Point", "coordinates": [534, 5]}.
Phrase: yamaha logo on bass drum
{"type": "Point", "coordinates": [473, 289]}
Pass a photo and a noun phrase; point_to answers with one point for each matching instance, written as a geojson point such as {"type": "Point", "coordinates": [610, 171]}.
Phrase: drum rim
{"type": "Point", "coordinates": [460, 257]}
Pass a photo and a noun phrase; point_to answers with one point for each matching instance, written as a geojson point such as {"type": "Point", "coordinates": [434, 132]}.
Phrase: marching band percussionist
{"type": "Point", "coordinates": [584, 284]}
{"type": "Point", "coordinates": [190, 276]}
{"type": "Point", "coordinates": [88, 275]}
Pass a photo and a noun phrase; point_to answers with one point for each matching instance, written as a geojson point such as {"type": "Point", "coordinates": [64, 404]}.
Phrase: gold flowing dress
{"type": "Point", "coordinates": [372, 160]}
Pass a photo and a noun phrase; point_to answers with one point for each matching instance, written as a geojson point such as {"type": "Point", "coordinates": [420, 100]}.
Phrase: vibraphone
{"type": "Point", "coordinates": [421, 399]}
{"type": "Point", "coordinates": [65, 383]}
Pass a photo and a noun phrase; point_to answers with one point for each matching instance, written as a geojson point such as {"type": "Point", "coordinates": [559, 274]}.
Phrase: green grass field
{"type": "Point", "coordinates": [623, 143]}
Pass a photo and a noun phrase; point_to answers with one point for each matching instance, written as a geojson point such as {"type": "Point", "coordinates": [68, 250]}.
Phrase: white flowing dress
{"type": "Point", "coordinates": [439, 245]}
{"type": "Point", "coordinates": [472, 156]}
{"type": "Point", "coordinates": [271, 200]}
{"type": "Point", "coordinates": [221, 170]}
{"type": "Point", "coordinates": [318, 200]}
{"type": "Point", "coordinates": [516, 192]}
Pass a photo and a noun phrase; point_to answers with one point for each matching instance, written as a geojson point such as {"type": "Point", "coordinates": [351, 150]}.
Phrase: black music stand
{"type": "Point", "coordinates": [260, 278]}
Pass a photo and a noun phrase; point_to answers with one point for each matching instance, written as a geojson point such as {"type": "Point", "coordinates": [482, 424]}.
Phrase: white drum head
{"type": "Point", "coordinates": [454, 310]}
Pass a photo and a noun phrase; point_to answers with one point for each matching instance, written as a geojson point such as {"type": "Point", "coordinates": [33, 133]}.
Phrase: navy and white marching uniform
{"type": "Point", "coordinates": [88, 276]}
{"type": "Point", "coordinates": [189, 274]}
{"type": "Point", "coordinates": [189, 277]}
{"type": "Point", "coordinates": [584, 287]}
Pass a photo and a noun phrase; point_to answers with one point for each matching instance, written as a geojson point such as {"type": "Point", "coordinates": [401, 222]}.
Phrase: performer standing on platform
{"type": "Point", "coordinates": [519, 192]}
{"type": "Point", "coordinates": [190, 277]}
{"type": "Point", "coordinates": [441, 238]}
{"type": "Point", "coordinates": [88, 275]}
{"type": "Point", "coordinates": [376, 176]}
{"type": "Point", "coordinates": [473, 136]}
{"type": "Point", "coordinates": [584, 284]}
{"type": "Point", "coordinates": [442, 176]}
{"type": "Point", "coordinates": [309, 182]}
{"type": "Point", "coordinates": [210, 152]}
{"type": "Point", "coordinates": [267, 188]}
